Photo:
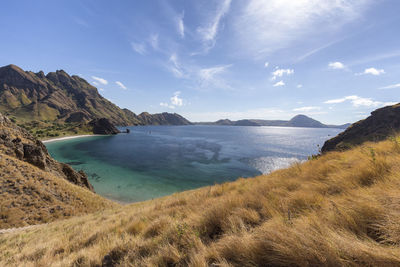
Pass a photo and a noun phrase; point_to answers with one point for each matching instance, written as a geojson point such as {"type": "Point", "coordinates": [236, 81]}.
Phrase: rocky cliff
{"type": "Point", "coordinates": [34, 188]}
{"type": "Point", "coordinates": [382, 123]}
{"type": "Point", "coordinates": [18, 143]}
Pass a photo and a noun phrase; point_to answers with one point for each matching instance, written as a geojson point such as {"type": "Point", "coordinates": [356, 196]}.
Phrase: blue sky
{"type": "Point", "coordinates": [334, 60]}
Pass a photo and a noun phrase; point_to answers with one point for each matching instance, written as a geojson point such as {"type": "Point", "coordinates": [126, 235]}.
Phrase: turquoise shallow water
{"type": "Point", "coordinates": [154, 161]}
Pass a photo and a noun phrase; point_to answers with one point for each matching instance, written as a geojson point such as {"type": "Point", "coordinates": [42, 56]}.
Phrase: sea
{"type": "Point", "coordinates": [155, 161]}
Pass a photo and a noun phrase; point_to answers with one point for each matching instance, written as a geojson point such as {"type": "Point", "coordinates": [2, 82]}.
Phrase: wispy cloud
{"type": "Point", "coordinates": [209, 32]}
{"type": "Point", "coordinates": [139, 48]}
{"type": "Point", "coordinates": [280, 73]}
{"type": "Point", "coordinates": [280, 83]}
{"type": "Point", "coordinates": [120, 84]}
{"type": "Point", "coordinates": [336, 65]}
{"type": "Point", "coordinates": [181, 25]}
{"type": "Point", "coordinates": [153, 40]}
{"type": "Point", "coordinates": [299, 86]}
{"type": "Point", "coordinates": [100, 80]}
{"type": "Point", "coordinates": [174, 66]}
{"type": "Point", "coordinates": [211, 77]}
{"type": "Point", "coordinates": [372, 71]}
{"type": "Point", "coordinates": [266, 64]}
{"type": "Point", "coordinates": [81, 22]}
{"type": "Point", "coordinates": [266, 26]}
{"type": "Point", "coordinates": [357, 101]}
{"type": "Point", "coordinates": [376, 57]}
{"type": "Point", "coordinates": [307, 109]}
{"type": "Point", "coordinates": [397, 85]}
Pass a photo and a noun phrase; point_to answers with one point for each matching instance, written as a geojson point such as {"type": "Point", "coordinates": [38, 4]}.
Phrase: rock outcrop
{"type": "Point", "coordinates": [18, 143]}
{"type": "Point", "coordinates": [382, 123]}
{"type": "Point", "coordinates": [103, 126]}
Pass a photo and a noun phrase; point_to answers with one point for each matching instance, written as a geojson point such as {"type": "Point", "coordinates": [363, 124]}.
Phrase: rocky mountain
{"type": "Point", "coordinates": [162, 119]}
{"type": "Point", "coordinates": [57, 96]}
{"type": "Point", "coordinates": [35, 188]}
{"type": "Point", "coordinates": [381, 124]}
{"type": "Point", "coordinates": [296, 121]}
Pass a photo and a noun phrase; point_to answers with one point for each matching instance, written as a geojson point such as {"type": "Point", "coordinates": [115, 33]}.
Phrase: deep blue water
{"type": "Point", "coordinates": [154, 161]}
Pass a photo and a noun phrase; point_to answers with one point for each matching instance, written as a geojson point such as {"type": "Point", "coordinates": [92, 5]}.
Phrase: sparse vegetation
{"type": "Point", "coordinates": [49, 129]}
{"type": "Point", "coordinates": [29, 195]}
{"type": "Point", "coordinates": [340, 209]}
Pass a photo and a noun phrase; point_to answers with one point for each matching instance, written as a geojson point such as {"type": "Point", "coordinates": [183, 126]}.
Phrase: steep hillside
{"type": "Point", "coordinates": [341, 209]}
{"type": "Point", "coordinates": [296, 121]}
{"type": "Point", "coordinates": [58, 98]}
{"type": "Point", "coordinates": [34, 188]}
{"type": "Point", "coordinates": [382, 123]}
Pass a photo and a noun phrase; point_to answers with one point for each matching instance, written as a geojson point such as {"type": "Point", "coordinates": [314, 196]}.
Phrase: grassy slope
{"type": "Point", "coordinates": [29, 195]}
{"type": "Point", "coordinates": [340, 209]}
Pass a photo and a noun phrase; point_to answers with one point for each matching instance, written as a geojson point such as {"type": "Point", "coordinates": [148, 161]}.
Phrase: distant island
{"type": "Point", "coordinates": [296, 121]}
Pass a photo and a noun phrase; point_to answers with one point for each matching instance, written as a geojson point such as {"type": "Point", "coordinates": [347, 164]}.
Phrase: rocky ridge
{"type": "Point", "coordinates": [381, 124]}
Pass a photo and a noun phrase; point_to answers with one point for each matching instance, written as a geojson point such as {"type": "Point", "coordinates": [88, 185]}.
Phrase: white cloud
{"type": "Point", "coordinates": [120, 84]}
{"type": "Point", "coordinates": [281, 72]}
{"type": "Point", "coordinates": [357, 101]}
{"type": "Point", "coordinates": [373, 71]}
{"type": "Point", "coordinates": [153, 40]}
{"type": "Point", "coordinates": [266, 26]}
{"type": "Point", "coordinates": [101, 89]}
{"type": "Point", "coordinates": [299, 86]}
{"type": "Point", "coordinates": [336, 65]}
{"type": "Point", "coordinates": [266, 64]}
{"type": "Point", "coordinates": [397, 85]}
{"type": "Point", "coordinates": [99, 80]}
{"type": "Point", "coordinates": [306, 109]}
{"type": "Point", "coordinates": [280, 83]}
{"type": "Point", "coordinates": [209, 32]}
{"type": "Point", "coordinates": [175, 101]}
{"type": "Point", "coordinates": [139, 48]}
{"type": "Point", "coordinates": [181, 25]}
{"type": "Point", "coordinates": [164, 104]}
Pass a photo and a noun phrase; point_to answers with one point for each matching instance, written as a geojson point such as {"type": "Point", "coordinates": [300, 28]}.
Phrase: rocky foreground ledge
{"type": "Point", "coordinates": [18, 143]}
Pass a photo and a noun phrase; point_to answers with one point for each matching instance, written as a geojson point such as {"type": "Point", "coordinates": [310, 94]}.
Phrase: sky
{"type": "Point", "coordinates": [333, 60]}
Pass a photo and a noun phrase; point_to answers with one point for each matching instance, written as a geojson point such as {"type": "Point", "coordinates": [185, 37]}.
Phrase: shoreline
{"type": "Point", "coordinates": [67, 138]}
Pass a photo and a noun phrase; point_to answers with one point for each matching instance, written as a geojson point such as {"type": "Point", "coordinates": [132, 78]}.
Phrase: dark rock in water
{"type": "Point", "coordinates": [382, 123]}
{"type": "Point", "coordinates": [103, 126]}
{"type": "Point", "coordinates": [128, 131]}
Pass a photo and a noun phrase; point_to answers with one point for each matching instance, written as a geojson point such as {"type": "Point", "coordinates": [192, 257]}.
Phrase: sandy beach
{"type": "Point", "coordinates": [67, 138]}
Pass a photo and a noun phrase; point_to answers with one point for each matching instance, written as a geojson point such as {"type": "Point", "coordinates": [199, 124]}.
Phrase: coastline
{"type": "Point", "coordinates": [67, 138]}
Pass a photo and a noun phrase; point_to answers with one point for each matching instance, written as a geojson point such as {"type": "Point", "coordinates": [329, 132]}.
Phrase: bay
{"type": "Point", "coordinates": [154, 161]}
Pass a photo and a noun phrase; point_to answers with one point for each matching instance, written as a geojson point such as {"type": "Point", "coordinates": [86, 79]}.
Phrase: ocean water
{"type": "Point", "coordinates": [154, 161]}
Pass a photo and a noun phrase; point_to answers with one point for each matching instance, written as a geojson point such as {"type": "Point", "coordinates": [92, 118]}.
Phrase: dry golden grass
{"type": "Point", "coordinates": [341, 209]}
{"type": "Point", "coordinates": [29, 195]}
